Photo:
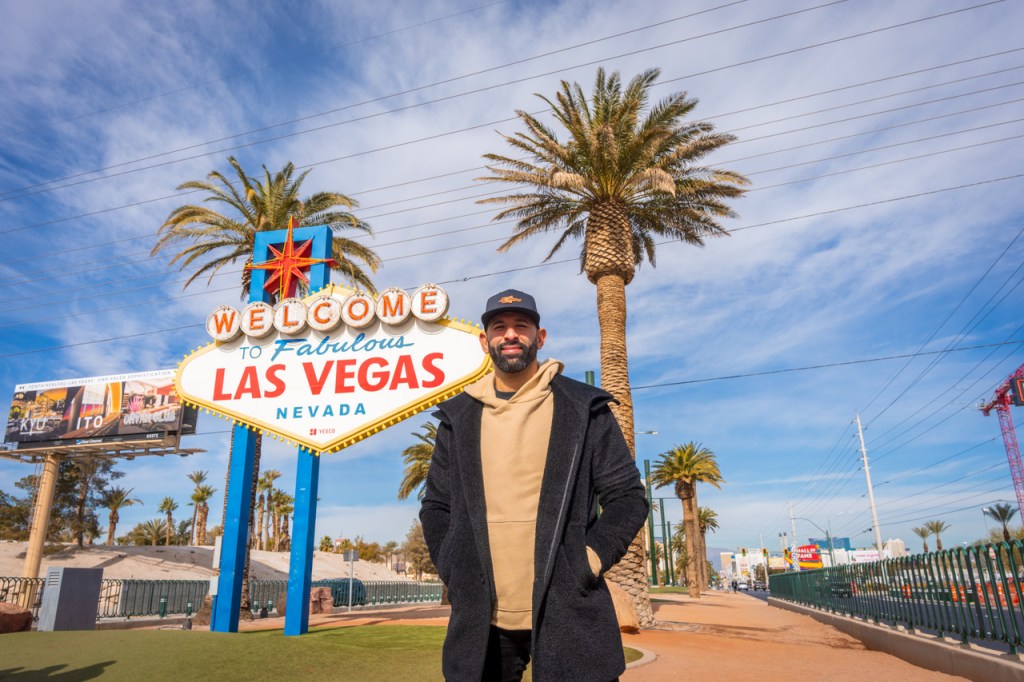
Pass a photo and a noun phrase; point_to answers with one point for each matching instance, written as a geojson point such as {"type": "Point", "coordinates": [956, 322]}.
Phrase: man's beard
{"type": "Point", "coordinates": [515, 364]}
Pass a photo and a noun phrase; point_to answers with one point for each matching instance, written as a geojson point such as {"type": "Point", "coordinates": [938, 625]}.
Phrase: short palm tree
{"type": "Point", "coordinates": [154, 530]}
{"type": "Point", "coordinates": [937, 528]}
{"type": "Point", "coordinates": [683, 467]}
{"type": "Point", "coordinates": [417, 462]}
{"type": "Point", "coordinates": [922, 532]}
{"type": "Point", "coordinates": [707, 520]}
{"type": "Point", "coordinates": [169, 506]}
{"type": "Point", "coordinates": [115, 499]}
{"type": "Point", "coordinates": [197, 478]}
{"type": "Point", "coordinates": [210, 240]}
{"type": "Point", "coordinates": [265, 486]}
{"type": "Point", "coordinates": [202, 496]}
{"type": "Point", "coordinates": [1003, 513]}
{"type": "Point", "coordinates": [627, 174]}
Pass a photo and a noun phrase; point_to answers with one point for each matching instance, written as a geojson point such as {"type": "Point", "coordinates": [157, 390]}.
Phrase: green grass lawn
{"type": "Point", "coordinates": [670, 589]}
{"type": "Point", "coordinates": [393, 653]}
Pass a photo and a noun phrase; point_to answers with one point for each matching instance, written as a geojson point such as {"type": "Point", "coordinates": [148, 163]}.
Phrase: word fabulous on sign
{"type": "Point", "coordinates": [331, 369]}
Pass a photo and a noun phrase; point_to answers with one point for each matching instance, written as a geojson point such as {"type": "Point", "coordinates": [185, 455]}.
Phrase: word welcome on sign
{"type": "Point", "coordinates": [331, 369]}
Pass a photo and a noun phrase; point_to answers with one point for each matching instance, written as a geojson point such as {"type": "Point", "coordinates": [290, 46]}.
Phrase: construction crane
{"type": "Point", "coordinates": [1010, 392]}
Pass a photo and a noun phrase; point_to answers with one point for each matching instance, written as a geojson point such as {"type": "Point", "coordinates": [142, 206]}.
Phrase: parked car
{"type": "Point", "coordinates": [742, 585]}
{"type": "Point", "coordinates": [839, 588]}
{"type": "Point", "coordinates": [760, 585]}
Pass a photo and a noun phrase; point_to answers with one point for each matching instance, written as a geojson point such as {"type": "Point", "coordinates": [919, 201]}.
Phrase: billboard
{"type": "Point", "coordinates": [809, 556]}
{"type": "Point", "coordinates": [124, 407]}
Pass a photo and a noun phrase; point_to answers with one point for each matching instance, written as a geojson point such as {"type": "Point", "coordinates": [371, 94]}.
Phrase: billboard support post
{"type": "Point", "coordinates": [40, 521]}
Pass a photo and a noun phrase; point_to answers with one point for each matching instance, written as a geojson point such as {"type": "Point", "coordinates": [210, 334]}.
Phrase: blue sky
{"type": "Point", "coordinates": [883, 142]}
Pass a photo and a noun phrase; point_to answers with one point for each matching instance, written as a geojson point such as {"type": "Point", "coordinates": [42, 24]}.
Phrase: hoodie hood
{"type": "Point", "coordinates": [536, 388]}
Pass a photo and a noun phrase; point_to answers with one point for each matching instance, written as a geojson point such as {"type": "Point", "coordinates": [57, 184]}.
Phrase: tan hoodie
{"type": "Point", "coordinates": [514, 437]}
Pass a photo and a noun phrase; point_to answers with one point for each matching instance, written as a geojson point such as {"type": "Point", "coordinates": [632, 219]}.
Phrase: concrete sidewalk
{"type": "Point", "coordinates": [726, 636]}
{"type": "Point", "coordinates": [722, 636]}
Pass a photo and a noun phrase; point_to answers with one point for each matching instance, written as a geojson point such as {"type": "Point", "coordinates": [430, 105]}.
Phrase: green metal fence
{"type": "Point", "coordinates": [135, 598]}
{"type": "Point", "coordinates": [970, 593]}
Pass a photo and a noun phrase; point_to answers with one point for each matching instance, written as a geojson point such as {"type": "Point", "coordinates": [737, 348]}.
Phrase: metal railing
{"type": "Point", "coordinates": [966, 592]}
{"type": "Point", "coordinates": [137, 598]}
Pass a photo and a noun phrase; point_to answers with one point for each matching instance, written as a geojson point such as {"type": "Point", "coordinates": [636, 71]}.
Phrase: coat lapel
{"type": "Point", "coordinates": [560, 473]}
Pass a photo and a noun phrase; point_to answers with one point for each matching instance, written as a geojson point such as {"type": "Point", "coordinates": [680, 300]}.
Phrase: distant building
{"type": "Point", "coordinates": [894, 547]}
{"type": "Point", "coordinates": [837, 543]}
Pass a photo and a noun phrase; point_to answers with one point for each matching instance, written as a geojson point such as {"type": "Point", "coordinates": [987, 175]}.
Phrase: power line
{"type": "Point", "coordinates": [117, 261]}
{"type": "Point", "coordinates": [477, 168]}
{"type": "Point", "coordinates": [484, 89]}
{"type": "Point", "coordinates": [5, 196]}
{"type": "Point", "coordinates": [245, 72]}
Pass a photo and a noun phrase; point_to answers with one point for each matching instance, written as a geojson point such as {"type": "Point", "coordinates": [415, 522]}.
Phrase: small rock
{"type": "Point", "coordinates": [14, 618]}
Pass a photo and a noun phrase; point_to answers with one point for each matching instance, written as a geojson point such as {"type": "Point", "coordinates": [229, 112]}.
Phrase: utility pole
{"type": "Point", "coordinates": [871, 491]}
{"type": "Point", "coordinates": [792, 527]}
{"type": "Point", "coordinates": [652, 552]}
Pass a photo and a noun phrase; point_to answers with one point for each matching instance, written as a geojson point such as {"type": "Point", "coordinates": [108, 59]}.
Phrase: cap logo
{"type": "Point", "coordinates": [510, 299]}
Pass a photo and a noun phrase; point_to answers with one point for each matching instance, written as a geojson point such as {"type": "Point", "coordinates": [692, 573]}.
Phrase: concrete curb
{"type": "Point", "coordinates": [925, 651]}
{"type": "Point", "coordinates": [648, 657]}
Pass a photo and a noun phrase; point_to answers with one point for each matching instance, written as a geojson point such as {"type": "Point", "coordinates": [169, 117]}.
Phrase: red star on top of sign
{"type": "Point", "coordinates": [289, 265]}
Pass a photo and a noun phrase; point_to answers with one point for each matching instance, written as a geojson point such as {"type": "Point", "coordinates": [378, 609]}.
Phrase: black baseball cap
{"type": "Point", "coordinates": [511, 301]}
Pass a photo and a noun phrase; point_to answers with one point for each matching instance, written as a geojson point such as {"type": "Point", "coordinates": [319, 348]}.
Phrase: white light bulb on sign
{"type": "Point", "coordinates": [324, 313]}
{"type": "Point", "coordinates": [357, 311]}
{"type": "Point", "coordinates": [429, 303]}
{"type": "Point", "coordinates": [257, 319]}
{"type": "Point", "coordinates": [394, 306]}
{"type": "Point", "coordinates": [290, 316]}
{"type": "Point", "coordinates": [224, 323]}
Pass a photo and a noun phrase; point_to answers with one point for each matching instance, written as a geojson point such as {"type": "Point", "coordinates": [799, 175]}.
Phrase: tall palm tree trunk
{"type": "Point", "coordinates": [631, 572]}
{"type": "Point", "coordinates": [691, 523]}
{"type": "Point", "coordinates": [259, 523]}
{"type": "Point", "coordinates": [112, 526]}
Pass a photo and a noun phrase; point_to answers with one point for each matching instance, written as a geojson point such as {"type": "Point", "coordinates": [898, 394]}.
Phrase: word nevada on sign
{"type": "Point", "coordinates": [333, 368]}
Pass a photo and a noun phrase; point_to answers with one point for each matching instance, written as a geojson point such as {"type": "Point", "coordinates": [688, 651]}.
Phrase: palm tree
{"type": "Point", "coordinates": [168, 506]}
{"type": "Point", "coordinates": [202, 495]}
{"type": "Point", "coordinates": [212, 240]}
{"type": "Point", "coordinates": [923, 532]}
{"type": "Point", "coordinates": [417, 462]}
{"type": "Point", "coordinates": [197, 478]}
{"type": "Point", "coordinates": [114, 499]}
{"type": "Point", "coordinates": [683, 467]}
{"type": "Point", "coordinates": [154, 530]}
{"type": "Point", "coordinates": [628, 174]}
{"type": "Point", "coordinates": [1003, 513]}
{"type": "Point", "coordinates": [937, 528]}
{"type": "Point", "coordinates": [707, 519]}
{"type": "Point", "coordinates": [265, 485]}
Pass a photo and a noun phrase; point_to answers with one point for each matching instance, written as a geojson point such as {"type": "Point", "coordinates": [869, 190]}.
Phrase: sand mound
{"type": "Point", "coordinates": [181, 563]}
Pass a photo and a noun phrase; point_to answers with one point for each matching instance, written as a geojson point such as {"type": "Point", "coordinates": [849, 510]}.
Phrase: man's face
{"type": "Point", "coordinates": [512, 340]}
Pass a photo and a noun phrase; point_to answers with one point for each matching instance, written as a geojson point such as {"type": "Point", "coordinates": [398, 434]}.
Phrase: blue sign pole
{"type": "Point", "coordinates": [227, 604]}
{"type": "Point", "coordinates": [300, 567]}
{"type": "Point", "coordinates": [228, 601]}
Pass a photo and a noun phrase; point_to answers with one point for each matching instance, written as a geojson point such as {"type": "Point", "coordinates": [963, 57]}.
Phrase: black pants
{"type": "Point", "coordinates": [508, 652]}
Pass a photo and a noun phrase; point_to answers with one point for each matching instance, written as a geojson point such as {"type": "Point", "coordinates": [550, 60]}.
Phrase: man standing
{"type": "Point", "coordinates": [532, 495]}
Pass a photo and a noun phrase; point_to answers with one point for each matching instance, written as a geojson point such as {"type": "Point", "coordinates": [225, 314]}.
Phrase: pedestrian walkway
{"type": "Point", "coordinates": [722, 636]}
{"type": "Point", "coordinates": [725, 636]}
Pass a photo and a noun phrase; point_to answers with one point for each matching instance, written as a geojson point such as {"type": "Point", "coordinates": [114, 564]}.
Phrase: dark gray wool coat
{"type": "Point", "coordinates": [575, 632]}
